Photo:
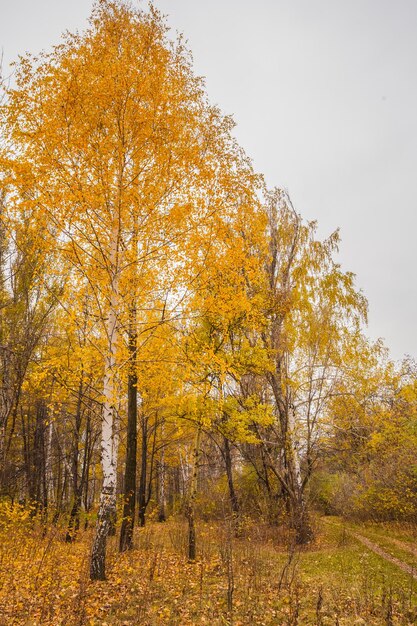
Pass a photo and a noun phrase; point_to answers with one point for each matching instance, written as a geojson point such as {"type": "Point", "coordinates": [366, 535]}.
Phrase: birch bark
{"type": "Point", "coordinates": [109, 435]}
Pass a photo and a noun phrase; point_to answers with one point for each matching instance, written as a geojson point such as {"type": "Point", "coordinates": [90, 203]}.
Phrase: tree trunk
{"type": "Point", "coordinates": [234, 502]}
{"type": "Point", "coordinates": [108, 492]}
{"type": "Point", "coordinates": [192, 547]}
{"type": "Point", "coordinates": [109, 436]}
{"type": "Point", "coordinates": [39, 493]}
{"type": "Point", "coordinates": [73, 523]}
{"type": "Point", "coordinates": [161, 489]}
{"type": "Point", "coordinates": [49, 469]}
{"type": "Point", "coordinates": [292, 483]}
{"type": "Point", "coordinates": [126, 531]}
{"type": "Point", "coordinates": [297, 509]}
{"type": "Point", "coordinates": [143, 468]}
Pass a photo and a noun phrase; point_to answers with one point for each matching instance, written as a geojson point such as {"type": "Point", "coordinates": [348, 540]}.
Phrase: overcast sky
{"type": "Point", "coordinates": [324, 93]}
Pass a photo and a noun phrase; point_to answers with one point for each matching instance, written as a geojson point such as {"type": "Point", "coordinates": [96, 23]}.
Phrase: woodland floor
{"type": "Point", "coordinates": [352, 574]}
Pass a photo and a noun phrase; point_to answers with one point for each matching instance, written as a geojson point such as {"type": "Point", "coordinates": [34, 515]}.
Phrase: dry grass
{"type": "Point", "coordinates": [256, 579]}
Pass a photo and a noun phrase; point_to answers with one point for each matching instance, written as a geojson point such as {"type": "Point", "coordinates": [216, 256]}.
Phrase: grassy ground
{"type": "Point", "coordinates": [252, 580]}
{"type": "Point", "coordinates": [399, 540]}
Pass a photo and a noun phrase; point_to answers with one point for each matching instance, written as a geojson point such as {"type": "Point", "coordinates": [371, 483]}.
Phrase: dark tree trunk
{"type": "Point", "coordinates": [126, 531]}
{"type": "Point", "coordinates": [39, 464]}
{"type": "Point", "coordinates": [89, 447]}
{"type": "Point", "coordinates": [161, 490]}
{"type": "Point", "coordinates": [74, 522]}
{"type": "Point", "coordinates": [234, 502]}
{"type": "Point", "coordinates": [192, 542]}
{"type": "Point", "coordinates": [143, 480]}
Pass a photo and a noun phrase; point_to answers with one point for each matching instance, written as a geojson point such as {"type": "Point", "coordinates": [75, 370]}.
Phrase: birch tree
{"type": "Point", "coordinates": [314, 310]}
{"type": "Point", "coordinates": [131, 166]}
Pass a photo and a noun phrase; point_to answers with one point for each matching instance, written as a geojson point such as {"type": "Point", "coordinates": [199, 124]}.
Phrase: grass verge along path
{"type": "Point", "coordinates": [408, 569]}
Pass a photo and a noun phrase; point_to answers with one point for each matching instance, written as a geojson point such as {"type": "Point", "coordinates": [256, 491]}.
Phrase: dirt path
{"type": "Point", "coordinates": [374, 547]}
{"type": "Point", "coordinates": [404, 545]}
{"type": "Point", "coordinates": [408, 569]}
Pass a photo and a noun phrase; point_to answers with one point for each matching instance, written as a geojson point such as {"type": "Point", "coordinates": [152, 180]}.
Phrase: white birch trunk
{"type": "Point", "coordinates": [300, 521]}
{"type": "Point", "coordinates": [295, 447]}
{"type": "Point", "coordinates": [109, 434]}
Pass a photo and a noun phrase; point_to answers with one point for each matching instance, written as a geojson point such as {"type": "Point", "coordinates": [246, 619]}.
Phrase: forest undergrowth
{"type": "Point", "coordinates": [258, 578]}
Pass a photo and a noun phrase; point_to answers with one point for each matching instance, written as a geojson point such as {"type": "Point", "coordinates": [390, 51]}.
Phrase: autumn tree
{"type": "Point", "coordinates": [312, 310]}
{"type": "Point", "coordinates": [28, 299]}
{"type": "Point", "coordinates": [130, 165]}
{"type": "Point", "coordinates": [367, 455]}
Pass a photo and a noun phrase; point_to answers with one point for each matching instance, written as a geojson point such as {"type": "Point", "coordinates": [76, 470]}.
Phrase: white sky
{"type": "Point", "coordinates": [324, 93]}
